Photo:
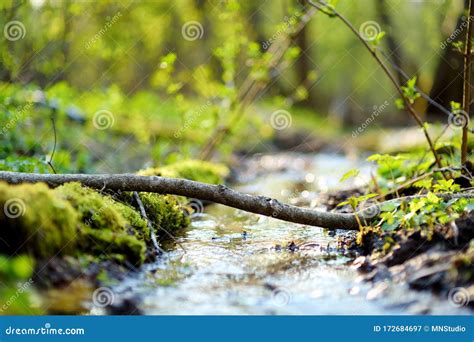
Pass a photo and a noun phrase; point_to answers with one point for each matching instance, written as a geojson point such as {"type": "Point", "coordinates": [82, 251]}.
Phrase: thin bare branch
{"type": "Point", "coordinates": [215, 193]}
{"type": "Point", "coordinates": [153, 238]}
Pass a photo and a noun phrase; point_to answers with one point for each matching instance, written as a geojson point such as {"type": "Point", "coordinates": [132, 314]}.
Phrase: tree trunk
{"type": "Point", "coordinates": [394, 49]}
{"type": "Point", "coordinates": [448, 81]}
{"type": "Point", "coordinates": [304, 64]}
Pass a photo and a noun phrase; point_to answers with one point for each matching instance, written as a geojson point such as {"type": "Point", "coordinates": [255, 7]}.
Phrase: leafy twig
{"type": "Point", "coordinates": [251, 88]}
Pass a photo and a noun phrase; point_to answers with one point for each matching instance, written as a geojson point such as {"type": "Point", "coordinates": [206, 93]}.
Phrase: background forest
{"type": "Point", "coordinates": [162, 70]}
{"type": "Point", "coordinates": [288, 99]}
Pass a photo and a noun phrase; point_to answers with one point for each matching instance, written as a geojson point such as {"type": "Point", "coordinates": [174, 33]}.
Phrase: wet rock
{"type": "Point", "coordinates": [379, 273]}
{"type": "Point", "coordinates": [427, 270]}
{"type": "Point", "coordinates": [292, 247]}
{"type": "Point", "coordinates": [127, 306]}
{"type": "Point", "coordinates": [269, 286]}
{"type": "Point", "coordinates": [57, 272]}
{"type": "Point", "coordinates": [363, 264]}
{"type": "Point", "coordinates": [431, 277]}
{"type": "Point", "coordinates": [411, 246]}
{"type": "Point", "coordinates": [465, 229]}
{"type": "Point", "coordinates": [377, 292]}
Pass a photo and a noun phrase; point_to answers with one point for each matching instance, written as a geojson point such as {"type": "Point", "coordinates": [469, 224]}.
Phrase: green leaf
{"type": "Point", "coordinates": [409, 90]}
{"type": "Point", "coordinates": [400, 104]}
{"type": "Point", "coordinates": [389, 206]}
{"type": "Point", "coordinates": [424, 183]}
{"type": "Point", "coordinates": [343, 203]}
{"type": "Point", "coordinates": [432, 197]}
{"type": "Point", "coordinates": [411, 82]}
{"type": "Point", "coordinates": [446, 185]}
{"type": "Point", "coordinates": [349, 174]}
{"type": "Point", "coordinates": [377, 39]}
{"type": "Point", "coordinates": [455, 105]}
{"type": "Point", "coordinates": [390, 226]}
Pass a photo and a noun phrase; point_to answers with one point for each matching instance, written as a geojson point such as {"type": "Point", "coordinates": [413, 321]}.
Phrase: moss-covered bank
{"type": "Point", "coordinates": [73, 220]}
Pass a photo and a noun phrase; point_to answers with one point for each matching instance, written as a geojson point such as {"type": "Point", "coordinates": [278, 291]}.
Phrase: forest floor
{"type": "Point", "coordinates": [231, 262]}
{"type": "Point", "coordinates": [222, 260]}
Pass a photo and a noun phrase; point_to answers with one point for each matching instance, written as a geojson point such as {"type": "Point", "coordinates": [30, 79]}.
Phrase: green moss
{"type": "Point", "coordinates": [112, 245]}
{"type": "Point", "coordinates": [76, 220]}
{"type": "Point", "coordinates": [36, 221]}
{"type": "Point", "coordinates": [108, 227]}
{"type": "Point", "coordinates": [196, 170]}
{"type": "Point", "coordinates": [164, 211]}
{"type": "Point", "coordinates": [16, 290]}
{"type": "Point", "coordinates": [100, 211]}
{"type": "Point", "coordinates": [16, 268]}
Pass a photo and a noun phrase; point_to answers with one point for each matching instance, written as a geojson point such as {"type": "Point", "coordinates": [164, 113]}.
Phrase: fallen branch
{"type": "Point", "coordinates": [215, 193]}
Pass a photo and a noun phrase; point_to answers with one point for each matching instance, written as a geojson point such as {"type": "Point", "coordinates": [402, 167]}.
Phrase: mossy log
{"type": "Point", "coordinates": [79, 221]}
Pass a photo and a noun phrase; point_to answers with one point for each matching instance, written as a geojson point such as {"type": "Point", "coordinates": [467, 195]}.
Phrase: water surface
{"type": "Point", "coordinates": [232, 262]}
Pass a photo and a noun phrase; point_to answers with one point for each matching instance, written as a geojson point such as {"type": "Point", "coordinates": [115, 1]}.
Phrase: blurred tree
{"type": "Point", "coordinates": [448, 78]}
{"type": "Point", "coordinates": [395, 49]}
{"type": "Point", "coordinates": [304, 64]}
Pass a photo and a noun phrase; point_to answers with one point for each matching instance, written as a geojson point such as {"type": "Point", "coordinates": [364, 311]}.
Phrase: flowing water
{"type": "Point", "coordinates": [232, 262]}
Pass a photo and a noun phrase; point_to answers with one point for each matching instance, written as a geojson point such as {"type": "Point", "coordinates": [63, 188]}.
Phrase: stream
{"type": "Point", "coordinates": [232, 262]}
